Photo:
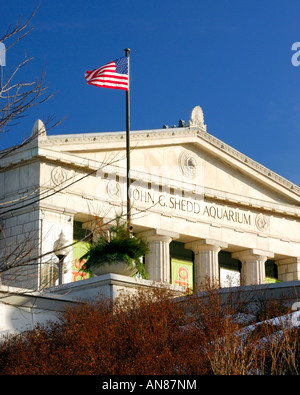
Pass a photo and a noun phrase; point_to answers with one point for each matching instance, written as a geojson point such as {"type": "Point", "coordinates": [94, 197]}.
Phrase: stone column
{"type": "Point", "coordinates": [253, 265]}
{"type": "Point", "coordinates": [206, 262]}
{"type": "Point", "coordinates": [288, 269]}
{"type": "Point", "coordinates": [157, 261]}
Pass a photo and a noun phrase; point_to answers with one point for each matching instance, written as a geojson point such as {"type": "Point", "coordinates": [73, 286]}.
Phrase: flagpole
{"type": "Point", "coordinates": [127, 53]}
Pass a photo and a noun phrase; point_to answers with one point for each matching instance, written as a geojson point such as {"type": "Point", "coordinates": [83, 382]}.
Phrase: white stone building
{"type": "Point", "coordinates": [206, 209]}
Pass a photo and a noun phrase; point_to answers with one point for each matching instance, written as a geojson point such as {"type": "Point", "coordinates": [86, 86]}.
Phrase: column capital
{"type": "Point", "coordinates": [159, 235]}
{"type": "Point", "coordinates": [205, 245]}
{"type": "Point", "coordinates": [252, 254]}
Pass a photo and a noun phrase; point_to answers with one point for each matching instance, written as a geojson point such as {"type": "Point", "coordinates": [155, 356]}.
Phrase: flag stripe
{"type": "Point", "coordinates": [112, 76]}
{"type": "Point", "coordinates": [110, 86]}
{"type": "Point", "coordinates": [109, 83]}
{"type": "Point", "coordinates": [107, 77]}
{"type": "Point", "coordinates": [112, 81]}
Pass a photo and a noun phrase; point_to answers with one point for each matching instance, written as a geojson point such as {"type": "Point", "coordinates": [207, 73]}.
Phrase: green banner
{"type": "Point", "coordinates": [182, 273]}
{"type": "Point", "coordinates": [79, 249]}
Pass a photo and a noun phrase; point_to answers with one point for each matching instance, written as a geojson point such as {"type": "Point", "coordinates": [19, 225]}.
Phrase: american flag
{"type": "Point", "coordinates": [112, 75]}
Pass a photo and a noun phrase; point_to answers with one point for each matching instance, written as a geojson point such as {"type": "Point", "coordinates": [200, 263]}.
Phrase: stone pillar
{"type": "Point", "coordinates": [206, 262]}
{"type": "Point", "coordinates": [157, 261]}
{"type": "Point", "coordinates": [253, 265]}
{"type": "Point", "coordinates": [288, 269]}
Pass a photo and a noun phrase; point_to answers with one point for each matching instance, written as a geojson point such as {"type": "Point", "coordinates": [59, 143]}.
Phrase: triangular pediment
{"type": "Point", "coordinates": [221, 176]}
{"type": "Point", "coordinates": [228, 175]}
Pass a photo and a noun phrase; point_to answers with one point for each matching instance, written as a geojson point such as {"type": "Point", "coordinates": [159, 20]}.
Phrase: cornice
{"type": "Point", "coordinates": [68, 140]}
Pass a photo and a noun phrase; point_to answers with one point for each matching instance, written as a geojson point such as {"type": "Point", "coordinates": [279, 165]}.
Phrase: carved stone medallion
{"type": "Point", "coordinates": [261, 222]}
{"type": "Point", "coordinates": [188, 163]}
{"type": "Point", "coordinates": [58, 175]}
{"type": "Point", "coordinates": [113, 189]}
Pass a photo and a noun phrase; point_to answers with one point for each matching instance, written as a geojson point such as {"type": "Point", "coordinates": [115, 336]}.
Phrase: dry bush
{"type": "Point", "coordinates": [152, 333]}
{"type": "Point", "coordinates": [138, 334]}
{"type": "Point", "coordinates": [218, 324]}
{"type": "Point", "coordinates": [234, 343]}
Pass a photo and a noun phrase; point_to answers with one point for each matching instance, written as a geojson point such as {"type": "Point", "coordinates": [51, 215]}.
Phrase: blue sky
{"type": "Point", "coordinates": [231, 57]}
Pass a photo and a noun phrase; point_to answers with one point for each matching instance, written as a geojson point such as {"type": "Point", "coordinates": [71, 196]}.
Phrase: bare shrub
{"type": "Point", "coordinates": [151, 332]}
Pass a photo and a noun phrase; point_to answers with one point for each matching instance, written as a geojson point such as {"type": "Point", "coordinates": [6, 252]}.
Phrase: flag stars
{"type": "Point", "coordinates": [121, 65]}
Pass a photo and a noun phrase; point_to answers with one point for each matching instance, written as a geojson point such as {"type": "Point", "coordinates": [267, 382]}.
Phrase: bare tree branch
{"type": "Point", "coordinates": [17, 97]}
